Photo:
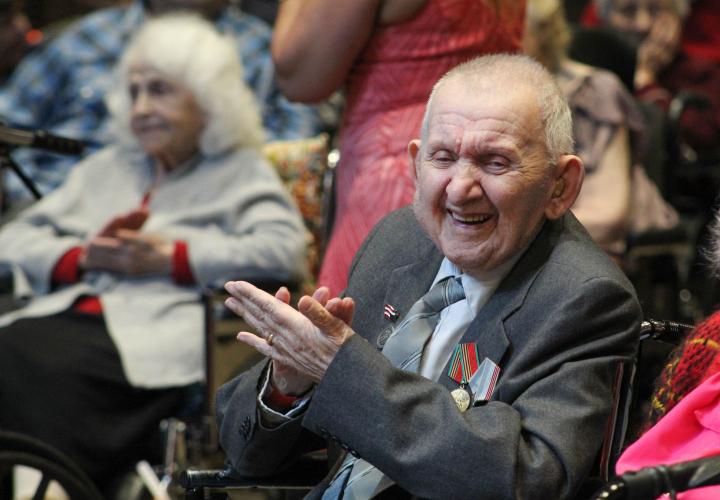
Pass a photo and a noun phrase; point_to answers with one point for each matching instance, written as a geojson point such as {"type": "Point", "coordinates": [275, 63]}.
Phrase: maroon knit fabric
{"type": "Point", "coordinates": [692, 362]}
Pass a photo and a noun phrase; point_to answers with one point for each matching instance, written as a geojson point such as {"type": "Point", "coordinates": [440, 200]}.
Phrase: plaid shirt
{"type": "Point", "coordinates": [61, 86]}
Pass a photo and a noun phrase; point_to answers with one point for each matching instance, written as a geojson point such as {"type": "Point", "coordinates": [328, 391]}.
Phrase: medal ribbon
{"type": "Point", "coordinates": [464, 363]}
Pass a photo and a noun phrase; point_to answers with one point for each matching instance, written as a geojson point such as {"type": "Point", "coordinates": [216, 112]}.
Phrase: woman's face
{"type": "Point", "coordinates": [636, 17]}
{"type": "Point", "coordinates": [165, 118]}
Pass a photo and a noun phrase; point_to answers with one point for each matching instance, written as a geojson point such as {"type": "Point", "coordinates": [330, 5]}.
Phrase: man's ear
{"type": "Point", "coordinates": [569, 174]}
{"type": "Point", "coordinates": [414, 154]}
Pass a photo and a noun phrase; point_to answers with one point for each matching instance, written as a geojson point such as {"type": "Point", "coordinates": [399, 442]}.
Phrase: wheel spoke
{"type": "Point", "coordinates": [42, 488]}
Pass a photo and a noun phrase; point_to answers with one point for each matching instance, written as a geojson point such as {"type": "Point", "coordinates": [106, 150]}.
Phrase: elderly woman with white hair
{"type": "Point", "coordinates": [114, 260]}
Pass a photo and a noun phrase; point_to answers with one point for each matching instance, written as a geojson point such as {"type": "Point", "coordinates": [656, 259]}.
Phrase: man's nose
{"type": "Point", "coordinates": [464, 185]}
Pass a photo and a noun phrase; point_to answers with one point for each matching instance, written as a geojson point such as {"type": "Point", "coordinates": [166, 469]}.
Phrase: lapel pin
{"type": "Point", "coordinates": [390, 313]}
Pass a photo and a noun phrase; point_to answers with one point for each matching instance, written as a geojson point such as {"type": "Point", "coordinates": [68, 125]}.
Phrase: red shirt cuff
{"type": "Point", "coordinates": [181, 272]}
{"type": "Point", "coordinates": [67, 270]}
{"type": "Point", "coordinates": [277, 400]}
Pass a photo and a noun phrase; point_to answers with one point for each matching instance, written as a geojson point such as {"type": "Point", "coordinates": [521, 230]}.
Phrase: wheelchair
{"type": "Point", "coordinates": [52, 465]}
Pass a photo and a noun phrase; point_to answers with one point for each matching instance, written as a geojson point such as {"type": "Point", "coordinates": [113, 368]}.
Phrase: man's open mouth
{"type": "Point", "coordinates": [469, 219]}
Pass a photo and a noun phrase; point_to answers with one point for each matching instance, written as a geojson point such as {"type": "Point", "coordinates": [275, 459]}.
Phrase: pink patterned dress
{"type": "Point", "coordinates": [386, 92]}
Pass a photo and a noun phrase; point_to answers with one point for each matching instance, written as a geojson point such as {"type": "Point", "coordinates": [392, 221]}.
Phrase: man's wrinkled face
{"type": "Point", "coordinates": [483, 180]}
{"type": "Point", "coordinates": [636, 17]}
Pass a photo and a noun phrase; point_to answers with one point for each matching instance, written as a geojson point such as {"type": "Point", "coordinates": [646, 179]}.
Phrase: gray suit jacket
{"type": "Point", "coordinates": [557, 326]}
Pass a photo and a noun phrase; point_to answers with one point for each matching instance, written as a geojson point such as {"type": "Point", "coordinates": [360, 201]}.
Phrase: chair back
{"type": "Point", "coordinates": [625, 391]}
{"type": "Point", "coordinates": [304, 170]}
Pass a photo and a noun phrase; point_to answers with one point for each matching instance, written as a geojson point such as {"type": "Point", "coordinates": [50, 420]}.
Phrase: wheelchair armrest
{"type": "Point", "coordinates": [197, 482]}
{"type": "Point", "coordinates": [669, 332]}
{"type": "Point", "coordinates": [303, 475]}
{"type": "Point", "coordinates": [208, 478]}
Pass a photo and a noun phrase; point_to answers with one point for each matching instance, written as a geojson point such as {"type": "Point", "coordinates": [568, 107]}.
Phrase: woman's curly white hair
{"type": "Point", "coordinates": [189, 49]}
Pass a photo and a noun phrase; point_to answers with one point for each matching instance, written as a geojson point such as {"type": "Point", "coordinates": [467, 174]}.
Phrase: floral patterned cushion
{"type": "Point", "coordinates": [301, 165]}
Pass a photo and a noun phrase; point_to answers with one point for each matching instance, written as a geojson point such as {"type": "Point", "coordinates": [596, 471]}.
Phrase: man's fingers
{"type": "Point", "coordinates": [259, 308]}
{"type": "Point", "coordinates": [256, 342]}
{"type": "Point", "coordinates": [249, 313]}
{"type": "Point", "coordinates": [283, 294]}
{"type": "Point", "coordinates": [320, 317]}
{"type": "Point", "coordinates": [344, 309]}
{"type": "Point", "coordinates": [258, 301]}
{"type": "Point", "coordinates": [322, 295]}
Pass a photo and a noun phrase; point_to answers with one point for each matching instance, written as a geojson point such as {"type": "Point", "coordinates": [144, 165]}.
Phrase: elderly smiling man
{"type": "Point", "coordinates": [506, 395]}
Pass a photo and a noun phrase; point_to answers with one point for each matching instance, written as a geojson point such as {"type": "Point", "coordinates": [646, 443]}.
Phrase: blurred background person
{"type": "Point", "coordinates": [665, 68]}
{"type": "Point", "coordinates": [683, 82]}
{"type": "Point", "coordinates": [116, 257]}
{"type": "Point", "coordinates": [14, 44]}
{"type": "Point", "coordinates": [386, 55]}
{"type": "Point", "coordinates": [61, 88]}
{"type": "Point", "coordinates": [701, 38]}
{"type": "Point", "coordinates": [608, 129]}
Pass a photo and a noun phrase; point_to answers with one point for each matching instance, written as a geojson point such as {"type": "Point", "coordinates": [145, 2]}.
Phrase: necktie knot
{"type": "Point", "coordinates": [445, 292]}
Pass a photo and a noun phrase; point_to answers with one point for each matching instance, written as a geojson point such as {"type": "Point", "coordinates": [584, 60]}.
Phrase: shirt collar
{"type": "Point", "coordinates": [477, 289]}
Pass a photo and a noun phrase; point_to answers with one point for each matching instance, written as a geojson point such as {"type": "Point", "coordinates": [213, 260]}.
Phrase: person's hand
{"type": "Point", "coordinates": [658, 49]}
{"type": "Point", "coordinates": [288, 380]}
{"type": "Point", "coordinates": [303, 342]}
{"type": "Point", "coordinates": [130, 220]}
{"type": "Point", "coordinates": [129, 253]}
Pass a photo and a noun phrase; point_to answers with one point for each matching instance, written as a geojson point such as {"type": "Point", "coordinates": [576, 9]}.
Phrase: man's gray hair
{"type": "Point", "coordinates": [603, 7]}
{"type": "Point", "coordinates": [512, 70]}
{"type": "Point", "coordinates": [190, 50]}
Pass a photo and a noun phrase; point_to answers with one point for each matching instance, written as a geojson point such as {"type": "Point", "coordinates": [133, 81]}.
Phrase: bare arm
{"type": "Point", "coordinates": [316, 41]}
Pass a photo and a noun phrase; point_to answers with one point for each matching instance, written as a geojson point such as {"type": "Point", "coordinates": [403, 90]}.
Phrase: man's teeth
{"type": "Point", "coordinates": [470, 219]}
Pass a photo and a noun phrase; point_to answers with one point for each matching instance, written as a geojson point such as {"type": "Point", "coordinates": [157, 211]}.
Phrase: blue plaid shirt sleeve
{"type": "Point", "coordinates": [60, 87]}
{"type": "Point", "coordinates": [28, 94]}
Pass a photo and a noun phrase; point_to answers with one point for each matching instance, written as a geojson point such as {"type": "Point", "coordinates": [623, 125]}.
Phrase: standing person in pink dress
{"type": "Point", "coordinates": [386, 54]}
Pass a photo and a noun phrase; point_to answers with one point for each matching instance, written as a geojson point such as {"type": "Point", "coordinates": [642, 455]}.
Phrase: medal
{"type": "Point", "coordinates": [462, 398]}
{"type": "Point", "coordinates": [463, 365]}
{"type": "Point", "coordinates": [482, 384]}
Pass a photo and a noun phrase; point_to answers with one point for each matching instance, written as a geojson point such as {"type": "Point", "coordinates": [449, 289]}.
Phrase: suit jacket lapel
{"type": "Point", "coordinates": [406, 284]}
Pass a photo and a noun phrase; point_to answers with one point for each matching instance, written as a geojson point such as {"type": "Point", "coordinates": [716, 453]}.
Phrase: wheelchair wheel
{"type": "Point", "coordinates": [52, 465]}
